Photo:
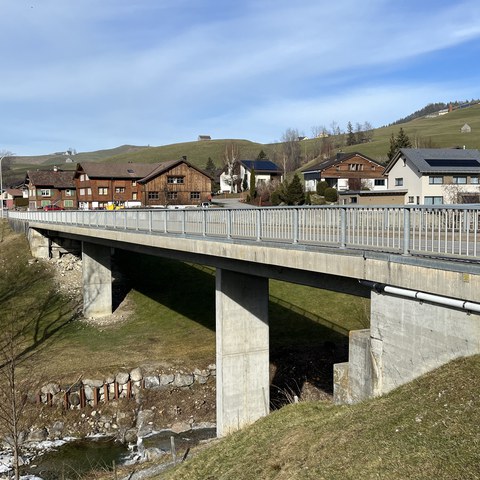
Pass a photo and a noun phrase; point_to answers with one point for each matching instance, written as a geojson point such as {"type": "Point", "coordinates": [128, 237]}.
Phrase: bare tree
{"type": "Point", "coordinates": [231, 159]}
{"type": "Point", "coordinates": [291, 150]}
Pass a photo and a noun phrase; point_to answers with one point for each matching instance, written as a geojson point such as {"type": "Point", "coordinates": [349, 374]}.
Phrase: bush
{"type": "Point", "coordinates": [331, 195]}
{"type": "Point", "coordinates": [321, 187]}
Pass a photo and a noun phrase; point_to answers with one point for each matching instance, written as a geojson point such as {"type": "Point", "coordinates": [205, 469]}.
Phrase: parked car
{"type": "Point", "coordinates": [205, 205]}
{"type": "Point", "coordinates": [49, 208]}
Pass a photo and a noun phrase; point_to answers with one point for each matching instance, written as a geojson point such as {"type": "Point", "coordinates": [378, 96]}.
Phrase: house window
{"type": "Point", "coordinates": [153, 196]}
{"type": "Point", "coordinates": [89, 191]}
{"type": "Point", "coordinates": [353, 199]}
{"type": "Point", "coordinates": [68, 203]}
{"type": "Point", "coordinates": [134, 195]}
{"type": "Point", "coordinates": [435, 180]}
{"type": "Point", "coordinates": [134, 183]}
{"type": "Point", "coordinates": [82, 191]}
{"type": "Point", "coordinates": [102, 190]}
{"type": "Point", "coordinates": [83, 177]}
{"type": "Point", "coordinates": [356, 167]}
{"type": "Point", "coordinates": [399, 182]}
{"type": "Point", "coordinates": [474, 180]}
{"type": "Point", "coordinates": [172, 195]}
{"type": "Point", "coordinates": [411, 200]}
{"type": "Point", "coordinates": [175, 179]}
{"type": "Point", "coordinates": [433, 200]}
{"type": "Point", "coordinates": [194, 195]}
{"type": "Point", "coordinates": [379, 182]}
{"type": "Point", "coordinates": [68, 192]}
{"type": "Point", "coordinates": [46, 192]}
{"type": "Point", "coordinates": [460, 180]}
{"type": "Point", "coordinates": [119, 189]}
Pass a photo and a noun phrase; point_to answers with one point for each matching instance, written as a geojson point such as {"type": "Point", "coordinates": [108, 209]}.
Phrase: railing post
{"type": "Point", "coordinates": [343, 227]}
{"type": "Point", "coordinates": [150, 221]}
{"type": "Point", "coordinates": [259, 224]}
{"type": "Point", "coordinates": [229, 224]}
{"type": "Point", "coordinates": [184, 215]}
{"type": "Point", "coordinates": [204, 222]}
{"type": "Point", "coordinates": [295, 225]}
{"type": "Point", "coordinates": [406, 231]}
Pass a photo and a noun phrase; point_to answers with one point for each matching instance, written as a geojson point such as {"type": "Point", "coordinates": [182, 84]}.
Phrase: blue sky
{"type": "Point", "coordinates": [94, 74]}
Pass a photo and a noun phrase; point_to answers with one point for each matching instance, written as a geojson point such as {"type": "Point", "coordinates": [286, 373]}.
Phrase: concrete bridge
{"type": "Point", "coordinates": [418, 265]}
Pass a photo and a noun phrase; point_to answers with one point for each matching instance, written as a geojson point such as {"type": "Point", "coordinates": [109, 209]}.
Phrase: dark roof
{"type": "Point", "coordinates": [51, 178]}
{"type": "Point", "coordinates": [261, 166]}
{"type": "Point", "coordinates": [440, 160]}
{"type": "Point", "coordinates": [134, 171]}
{"type": "Point", "coordinates": [339, 158]}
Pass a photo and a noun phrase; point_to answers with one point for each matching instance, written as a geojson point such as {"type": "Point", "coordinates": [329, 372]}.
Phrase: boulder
{"type": "Point", "coordinates": [136, 374]}
{"type": "Point", "coordinates": [122, 378]}
{"type": "Point", "coordinates": [183, 380]}
{"type": "Point", "coordinates": [152, 381]}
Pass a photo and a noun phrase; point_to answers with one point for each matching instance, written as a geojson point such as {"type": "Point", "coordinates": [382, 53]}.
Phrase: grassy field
{"type": "Point", "coordinates": [428, 429]}
{"type": "Point", "coordinates": [172, 319]}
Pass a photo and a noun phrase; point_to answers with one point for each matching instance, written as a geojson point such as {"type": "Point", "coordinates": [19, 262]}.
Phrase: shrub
{"type": "Point", "coordinates": [321, 187]}
{"type": "Point", "coordinates": [331, 195]}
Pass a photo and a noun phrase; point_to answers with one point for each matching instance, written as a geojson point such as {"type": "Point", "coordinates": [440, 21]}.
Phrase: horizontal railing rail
{"type": "Point", "coordinates": [439, 231]}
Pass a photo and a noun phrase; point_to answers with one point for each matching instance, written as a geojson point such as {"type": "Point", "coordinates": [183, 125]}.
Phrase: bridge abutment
{"type": "Point", "coordinates": [242, 337]}
{"type": "Point", "coordinates": [39, 243]}
{"type": "Point", "coordinates": [97, 280]}
{"type": "Point", "coordinates": [407, 338]}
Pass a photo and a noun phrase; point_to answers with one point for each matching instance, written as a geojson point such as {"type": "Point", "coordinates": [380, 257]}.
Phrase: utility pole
{"type": "Point", "coordinates": [2, 156]}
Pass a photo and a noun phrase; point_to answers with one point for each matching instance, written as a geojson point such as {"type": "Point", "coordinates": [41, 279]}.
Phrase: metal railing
{"type": "Point", "coordinates": [442, 231]}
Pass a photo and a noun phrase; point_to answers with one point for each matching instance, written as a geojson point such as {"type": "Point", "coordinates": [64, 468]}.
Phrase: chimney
{"type": "Point", "coordinates": [184, 157]}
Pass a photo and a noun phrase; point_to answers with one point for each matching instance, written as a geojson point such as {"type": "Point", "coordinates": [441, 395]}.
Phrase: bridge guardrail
{"type": "Point", "coordinates": [445, 231]}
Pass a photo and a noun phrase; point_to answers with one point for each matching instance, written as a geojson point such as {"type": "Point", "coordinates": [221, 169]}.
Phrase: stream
{"type": "Point", "coordinates": [79, 457]}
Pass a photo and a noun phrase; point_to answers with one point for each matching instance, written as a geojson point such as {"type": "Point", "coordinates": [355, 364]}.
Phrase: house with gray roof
{"type": "Point", "coordinates": [436, 176]}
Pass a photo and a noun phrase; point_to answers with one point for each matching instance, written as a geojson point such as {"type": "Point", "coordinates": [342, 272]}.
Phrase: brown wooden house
{"type": "Point", "coordinates": [107, 185]}
{"type": "Point", "coordinates": [347, 171]}
{"type": "Point", "coordinates": [50, 187]}
{"type": "Point", "coordinates": [176, 182]}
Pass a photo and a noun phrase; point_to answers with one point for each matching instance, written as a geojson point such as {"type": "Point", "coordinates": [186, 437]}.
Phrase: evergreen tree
{"type": "Point", "coordinates": [397, 142]}
{"type": "Point", "coordinates": [351, 139]}
{"type": "Point", "coordinates": [321, 186]}
{"type": "Point", "coordinates": [210, 168]}
{"type": "Point", "coordinates": [262, 155]}
{"type": "Point", "coordinates": [295, 192]}
{"type": "Point", "coordinates": [253, 191]}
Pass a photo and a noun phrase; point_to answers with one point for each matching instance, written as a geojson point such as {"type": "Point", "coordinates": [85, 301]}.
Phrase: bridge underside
{"type": "Point", "coordinates": [407, 337]}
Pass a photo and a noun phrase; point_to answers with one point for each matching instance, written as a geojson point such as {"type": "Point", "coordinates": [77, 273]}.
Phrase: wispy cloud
{"type": "Point", "coordinates": [156, 72]}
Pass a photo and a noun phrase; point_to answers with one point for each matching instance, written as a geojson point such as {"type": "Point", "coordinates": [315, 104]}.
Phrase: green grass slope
{"type": "Point", "coordinates": [428, 429]}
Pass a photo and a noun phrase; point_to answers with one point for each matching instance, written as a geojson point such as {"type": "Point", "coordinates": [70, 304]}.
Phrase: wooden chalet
{"type": "Point", "coordinates": [347, 171]}
{"type": "Point", "coordinates": [50, 187]}
{"type": "Point", "coordinates": [176, 182]}
{"type": "Point", "coordinates": [106, 186]}
{"type": "Point", "coordinates": [109, 185]}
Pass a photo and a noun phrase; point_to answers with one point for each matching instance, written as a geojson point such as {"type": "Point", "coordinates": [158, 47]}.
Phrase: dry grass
{"type": "Point", "coordinates": [428, 429]}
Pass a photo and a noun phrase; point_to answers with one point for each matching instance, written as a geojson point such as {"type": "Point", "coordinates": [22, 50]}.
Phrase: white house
{"type": "Point", "coordinates": [435, 176]}
{"type": "Point", "coordinates": [265, 172]}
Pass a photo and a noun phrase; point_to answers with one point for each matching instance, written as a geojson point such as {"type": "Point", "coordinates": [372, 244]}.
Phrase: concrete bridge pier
{"type": "Point", "coordinates": [39, 243]}
{"type": "Point", "coordinates": [97, 280]}
{"type": "Point", "coordinates": [242, 337]}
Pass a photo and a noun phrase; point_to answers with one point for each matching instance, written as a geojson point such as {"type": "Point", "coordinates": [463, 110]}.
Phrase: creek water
{"type": "Point", "coordinates": [79, 457]}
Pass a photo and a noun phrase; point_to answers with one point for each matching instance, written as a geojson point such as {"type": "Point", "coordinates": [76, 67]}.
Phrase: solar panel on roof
{"type": "Point", "coordinates": [129, 170]}
{"type": "Point", "coordinates": [444, 162]}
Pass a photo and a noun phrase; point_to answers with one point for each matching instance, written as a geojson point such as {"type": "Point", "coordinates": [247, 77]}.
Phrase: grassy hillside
{"type": "Point", "coordinates": [428, 429]}
{"type": "Point", "coordinates": [438, 132]}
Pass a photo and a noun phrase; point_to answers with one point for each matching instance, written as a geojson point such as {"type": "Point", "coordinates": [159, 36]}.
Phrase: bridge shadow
{"type": "Point", "coordinates": [303, 345]}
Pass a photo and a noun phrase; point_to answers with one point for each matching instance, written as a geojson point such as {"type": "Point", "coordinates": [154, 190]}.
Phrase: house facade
{"type": "Point", "coordinates": [105, 185]}
{"type": "Point", "coordinates": [50, 187]}
{"type": "Point", "coordinates": [346, 171]}
{"type": "Point", "coordinates": [176, 182]}
{"type": "Point", "coordinates": [436, 176]}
